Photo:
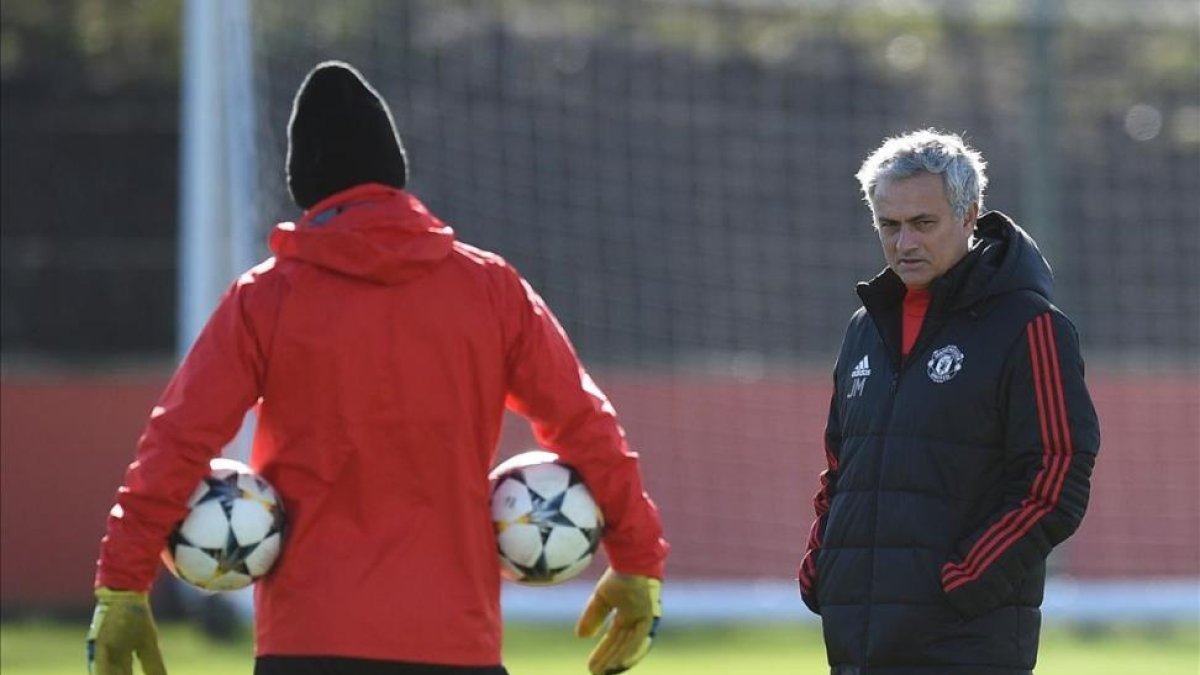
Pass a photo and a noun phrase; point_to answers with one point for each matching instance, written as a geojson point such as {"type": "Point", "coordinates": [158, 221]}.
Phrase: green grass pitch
{"type": "Point", "coordinates": [33, 648]}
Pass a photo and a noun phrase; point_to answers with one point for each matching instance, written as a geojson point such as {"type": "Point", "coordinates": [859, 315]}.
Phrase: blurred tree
{"type": "Point", "coordinates": [89, 93]}
{"type": "Point", "coordinates": [96, 44]}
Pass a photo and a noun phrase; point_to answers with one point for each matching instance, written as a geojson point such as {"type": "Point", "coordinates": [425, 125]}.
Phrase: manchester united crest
{"type": "Point", "coordinates": [944, 364]}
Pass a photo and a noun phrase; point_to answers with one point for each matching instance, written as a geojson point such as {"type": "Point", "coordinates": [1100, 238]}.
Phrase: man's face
{"type": "Point", "coordinates": [921, 237]}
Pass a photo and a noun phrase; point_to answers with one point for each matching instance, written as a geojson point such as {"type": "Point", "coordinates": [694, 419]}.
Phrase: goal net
{"type": "Point", "coordinates": [676, 178]}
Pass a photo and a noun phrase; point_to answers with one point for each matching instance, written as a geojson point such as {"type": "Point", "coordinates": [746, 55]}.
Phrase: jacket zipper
{"type": "Point", "coordinates": [891, 408]}
{"type": "Point", "coordinates": [899, 366]}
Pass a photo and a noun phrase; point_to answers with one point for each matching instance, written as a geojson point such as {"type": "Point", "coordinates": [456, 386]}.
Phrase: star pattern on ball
{"type": "Point", "coordinates": [547, 513]}
{"type": "Point", "coordinates": [547, 524]}
{"type": "Point", "coordinates": [214, 556]}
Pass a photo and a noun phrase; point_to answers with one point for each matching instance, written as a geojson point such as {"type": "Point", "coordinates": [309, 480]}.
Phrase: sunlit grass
{"type": "Point", "coordinates": [40, 648]}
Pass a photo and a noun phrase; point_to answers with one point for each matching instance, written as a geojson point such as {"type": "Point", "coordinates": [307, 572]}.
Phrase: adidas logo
{"type": "Point", "coordinates": [863, 369]}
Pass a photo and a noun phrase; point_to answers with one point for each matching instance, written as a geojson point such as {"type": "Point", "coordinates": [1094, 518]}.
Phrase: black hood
{"type": "Point", "coordinates": [1004, 259]}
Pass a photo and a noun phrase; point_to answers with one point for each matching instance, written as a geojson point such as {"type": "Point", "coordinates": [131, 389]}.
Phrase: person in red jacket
{"type": "Point", "coordinates": [380, 354]}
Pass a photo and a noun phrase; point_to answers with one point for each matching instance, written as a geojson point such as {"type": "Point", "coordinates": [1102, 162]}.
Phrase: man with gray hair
{"type": "Point", "coordinates": [961, 436]}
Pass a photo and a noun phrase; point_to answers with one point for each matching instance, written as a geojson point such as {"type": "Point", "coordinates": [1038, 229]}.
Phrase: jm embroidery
{"type": "Point", "coordinates": [945, 364]}
{"type": "Point", "coordinates": [858, 378]}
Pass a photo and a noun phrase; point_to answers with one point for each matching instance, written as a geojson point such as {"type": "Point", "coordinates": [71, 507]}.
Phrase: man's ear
{"type": "Point", "coordinates": [972, 216]}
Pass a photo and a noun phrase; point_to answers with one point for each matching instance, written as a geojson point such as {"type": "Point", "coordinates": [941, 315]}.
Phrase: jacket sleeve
{"type": "Point", "coordinates": [572, 417]}
{"type": "Point", "coordinates": [1052, 436]}
{"type": "Point", "coordinates": [200, 411]}
{"type": "Point", "coordinates": [816, 533]}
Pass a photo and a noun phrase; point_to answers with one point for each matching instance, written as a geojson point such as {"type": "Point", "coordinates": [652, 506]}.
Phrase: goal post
{"type": "Point", "coordinates": [219, 217]}
{"type": "Point", "coordinates": [219, 234]}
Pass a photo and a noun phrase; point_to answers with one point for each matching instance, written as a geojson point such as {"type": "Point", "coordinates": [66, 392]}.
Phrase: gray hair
{"type": "Point", "coordinates": [942, 154]}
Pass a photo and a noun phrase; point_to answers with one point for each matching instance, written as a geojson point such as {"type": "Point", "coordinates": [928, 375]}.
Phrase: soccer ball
{"type": "Point", "coordinates": [547, 524]}
{"type": "Point", "coordinates": [233, 531]}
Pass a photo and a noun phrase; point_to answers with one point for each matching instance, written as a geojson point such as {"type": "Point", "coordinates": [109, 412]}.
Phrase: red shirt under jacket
{"type": "Point", "coordinates": [916, 303]}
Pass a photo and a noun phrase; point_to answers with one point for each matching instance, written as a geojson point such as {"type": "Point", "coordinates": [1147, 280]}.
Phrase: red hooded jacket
{"type": "Point", "coordinates": [381, 354]}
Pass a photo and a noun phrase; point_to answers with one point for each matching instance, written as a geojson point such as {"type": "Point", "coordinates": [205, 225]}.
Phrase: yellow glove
{"type": "Point", "coordinates": [122, 626]}
{"type": "Point", "coordinates": [637, 601]}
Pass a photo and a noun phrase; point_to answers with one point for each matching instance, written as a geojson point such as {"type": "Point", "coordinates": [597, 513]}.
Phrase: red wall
{"type": "Point", "coordinates": [64, 443]}
{"type": "Point", "coordinates": [731, 462]}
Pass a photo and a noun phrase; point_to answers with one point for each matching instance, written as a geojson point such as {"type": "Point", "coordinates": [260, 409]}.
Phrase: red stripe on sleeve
{"type": "Point", "coordinates": [1053, 390]}
{"type": "Point", "coordinates": [1039, 386]}
{"type": "Point", "coordinates": [1047, 485]}
{"type": "Point", "coordinates": [1061, 406]}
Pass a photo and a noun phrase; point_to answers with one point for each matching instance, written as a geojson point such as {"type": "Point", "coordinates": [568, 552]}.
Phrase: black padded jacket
{"type": "Point", "coordinates": [951, 474]}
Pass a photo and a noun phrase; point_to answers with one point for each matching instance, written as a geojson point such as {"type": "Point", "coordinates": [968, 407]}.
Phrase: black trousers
{"type": "Point", "coordinates": [337, 665]}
